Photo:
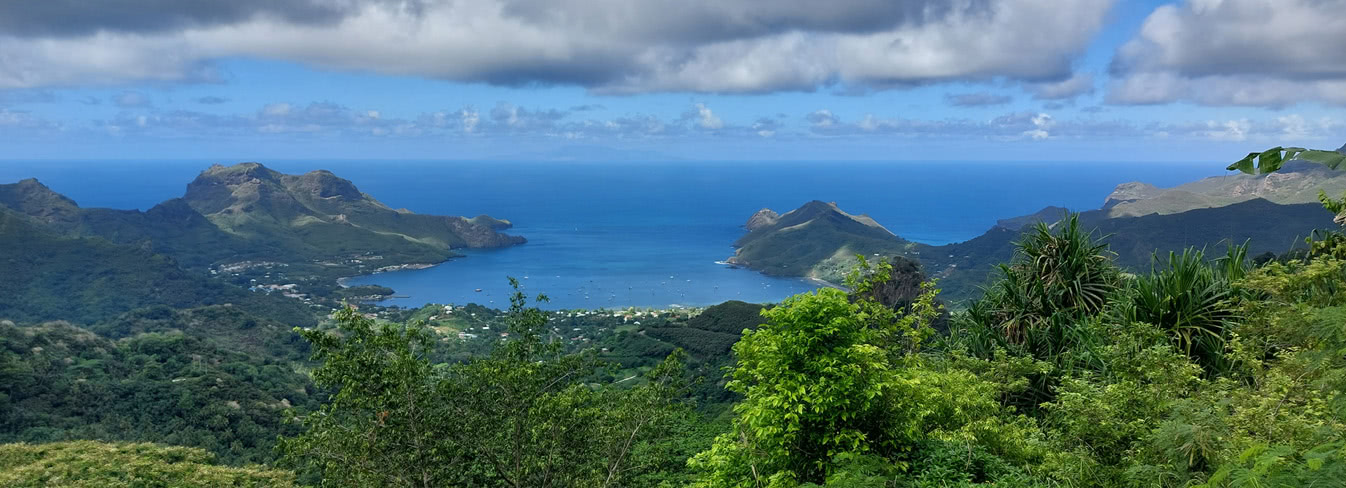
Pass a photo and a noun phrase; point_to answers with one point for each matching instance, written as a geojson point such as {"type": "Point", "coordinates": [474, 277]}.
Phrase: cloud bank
{"type": "Point", "coordinates": [608, 46]}
{"type": "Point", "coordinates": [1268, 53]}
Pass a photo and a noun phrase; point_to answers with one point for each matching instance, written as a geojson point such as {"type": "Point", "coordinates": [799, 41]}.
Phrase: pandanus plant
{"type": "Point", "coordinates": [1193, 300]}
{"type": "Point", "coordinates": [1060, 276]}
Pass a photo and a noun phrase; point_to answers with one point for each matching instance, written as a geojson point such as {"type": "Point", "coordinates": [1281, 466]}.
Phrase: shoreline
{"type": "Point", "coordinates": [344, 280]}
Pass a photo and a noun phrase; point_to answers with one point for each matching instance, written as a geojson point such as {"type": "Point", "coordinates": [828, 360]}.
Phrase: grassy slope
{"type": "Point", "coordinates": [90, 464]}
{"type": "Point", "coordinates": [1298, 182]}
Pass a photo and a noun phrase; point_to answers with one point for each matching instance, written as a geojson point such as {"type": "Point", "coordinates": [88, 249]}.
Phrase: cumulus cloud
{"type": "Point", "coordinates": [1235, 52]}
{"type": "Point", "coordinates": [609, 46]}
{"type": "Point", "coordinates": [70, 18]}
{"type": "Point", "coordinates": [981, 99]}
{"type": "Point", "coordinates": [766, 126]}
{"type": "Point", "coordinates": [704, 117]}
{"type": "Point", "coordinates": [1041, 124]}
{"type": "Point", "coordinates": [822, 119]}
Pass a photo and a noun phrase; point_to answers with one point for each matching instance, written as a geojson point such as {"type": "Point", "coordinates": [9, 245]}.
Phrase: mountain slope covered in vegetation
{"type": "Point", "coordinates": [817, 240]}
{"type": "Point", "coordinates": [52, 277]}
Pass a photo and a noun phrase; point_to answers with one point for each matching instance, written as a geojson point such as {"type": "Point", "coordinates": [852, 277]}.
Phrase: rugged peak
{"type": "Point", "coordinates": [325, 184]}
{"type": "Point", "coordinates": [32, 197]}
{"type": "Point", "coordinates": [763, 218]}
{"type": "Point", "coordinates": [29, 185]}
{"type": "Point", "coordinates": [820, 206]}
{"type": "Point", "coordinates": [236, 174]}
{"type": "Point", "coordinates": [1127, 192]}
{"type": "Point", "coordinates": [220, 187]}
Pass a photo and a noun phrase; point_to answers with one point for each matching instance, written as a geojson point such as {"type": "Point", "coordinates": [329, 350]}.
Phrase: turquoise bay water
{"type": "Point", "coordinates": [642, 234]}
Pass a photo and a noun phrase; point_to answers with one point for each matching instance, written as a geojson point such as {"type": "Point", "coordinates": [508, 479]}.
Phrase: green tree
{"type": "Point", "coordinates": [520, 417]}
{"type": "Point", "coordinates": [818, 386]}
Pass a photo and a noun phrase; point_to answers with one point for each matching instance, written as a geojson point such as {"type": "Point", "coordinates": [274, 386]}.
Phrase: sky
{"type": "Point", "coordinates": [712, 80]}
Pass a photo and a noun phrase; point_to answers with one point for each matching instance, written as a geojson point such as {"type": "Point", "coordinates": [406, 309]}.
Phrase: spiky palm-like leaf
{"type": "Point", "coordinates": [1191, 299]}
{"type": "Point", "coordinates": [1057, 271]}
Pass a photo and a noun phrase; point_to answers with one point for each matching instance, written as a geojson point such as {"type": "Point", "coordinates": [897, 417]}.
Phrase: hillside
{"type": "Point", "coordinates": [1266, 227]}
{"type": "Point", "coordinates": [52, 277]}
{"type": "Point", "coordinates": [817, 240]}
{"type": "Point", "coordinates": [1296, 182]}
{"type": "Point", "coordinates": [61, 382]}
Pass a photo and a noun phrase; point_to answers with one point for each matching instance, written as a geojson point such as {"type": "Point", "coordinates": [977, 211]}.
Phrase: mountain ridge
{"type": "Point", "coordinates": [1296, 182]}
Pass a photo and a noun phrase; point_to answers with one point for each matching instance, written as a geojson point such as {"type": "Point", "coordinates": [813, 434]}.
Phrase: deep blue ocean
{"type": "Point", "coordinates": [642, 234]}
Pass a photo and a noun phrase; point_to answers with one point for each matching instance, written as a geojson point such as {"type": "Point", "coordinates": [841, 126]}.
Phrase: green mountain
{"type": "Point", "coordinates": [319, 216]}
{"type": "Point", "coordinates": [817, 240]}
{"type": "Point", "coordinates": [65, 262]}
{"type": "Point", "coordinates": [247, 212]}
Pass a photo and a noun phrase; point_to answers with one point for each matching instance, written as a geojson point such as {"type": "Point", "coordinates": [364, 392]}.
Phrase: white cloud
{"type": "Point", "coordinates": [707, 119]}
{"type": "Point", "coordinates": [822, 119]}
{"type": "Point", "coordinates": [1229, 130]}
{"type": "Point", "coordinates": [1041, 124]}
{"type": "Point", "coordinates": [470, 118]}
{"type": "Point", "coordinates": [610, 46]}
{"type": "Point", "coordinates": [1236, 52]}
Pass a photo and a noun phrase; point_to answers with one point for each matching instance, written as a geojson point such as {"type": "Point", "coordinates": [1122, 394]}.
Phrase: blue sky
{"type": "Point", "coordinates": [1072, 80]}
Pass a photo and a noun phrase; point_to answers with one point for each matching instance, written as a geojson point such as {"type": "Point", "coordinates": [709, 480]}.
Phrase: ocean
{"type": "Point", "coordinates": [614, 235]}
